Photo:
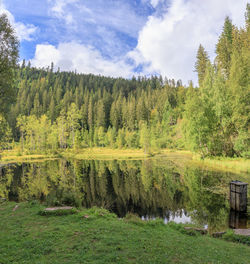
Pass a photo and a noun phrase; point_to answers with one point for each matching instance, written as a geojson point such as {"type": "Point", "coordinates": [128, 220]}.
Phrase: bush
{"type": "Point", "coordinates": [134, 218]}
{"type": "Point", "coordinates": [71, 199]}
{"type": "Point", "coordinates": [61, 198]}
{"type": "Point", "coordinates": [96, 212]}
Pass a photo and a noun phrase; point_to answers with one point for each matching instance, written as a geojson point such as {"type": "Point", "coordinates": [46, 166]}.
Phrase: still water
{"type": "Point", "coordinates": [151, 188]}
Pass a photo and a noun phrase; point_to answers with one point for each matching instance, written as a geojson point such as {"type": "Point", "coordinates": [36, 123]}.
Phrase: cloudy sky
{"type": "Point", "coordinates": [120, 37]}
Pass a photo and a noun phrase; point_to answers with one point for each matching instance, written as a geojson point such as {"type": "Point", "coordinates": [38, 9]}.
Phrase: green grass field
{"type": "Point", "coordinates": [96, 236]}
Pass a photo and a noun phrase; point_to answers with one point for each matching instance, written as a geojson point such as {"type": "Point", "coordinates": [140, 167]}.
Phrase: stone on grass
{"type": "Point", "coordinates": [58, 208]}
{"type": "Point", "coordinates": [14, 209]}
{"type": "Point", "coordinates": [57, 211]}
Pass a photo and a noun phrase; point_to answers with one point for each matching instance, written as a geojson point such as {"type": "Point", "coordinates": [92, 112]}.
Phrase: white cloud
{"type": "Point", "coordinates": [154, 3]}
{"type": "Point", "coordinates": [59, 9]}
{"type": "Point", "coordinates": [73, 56]}
{"type": "Point", "coordinates": [116, 15]}
{"type": "Point", "coordinates": [168, 44]}
{"type": "Point", "coordinates": [23, 31]}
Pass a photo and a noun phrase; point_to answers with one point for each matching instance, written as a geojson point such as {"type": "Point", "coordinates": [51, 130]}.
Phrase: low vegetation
{"type": "Point", "coordinates": [97, 236]}
{"type": "Point", "coordinates": [235, 165]}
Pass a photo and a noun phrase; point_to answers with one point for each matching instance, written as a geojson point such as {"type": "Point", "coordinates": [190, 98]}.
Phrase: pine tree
{"type": "Point", "coordinates": [201, 64]}
{"type": "Point", "coordinates": [90, 114]}
{"type": "Point", "coordinates": [73, 117]}
{"type": "Point", "coordinates": [224, 47]}
{"type": "Point", "coordinates": [100, 122]}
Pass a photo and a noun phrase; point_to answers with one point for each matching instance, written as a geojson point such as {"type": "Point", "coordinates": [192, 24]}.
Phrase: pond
{"type": "Point", "coordinates": [169, 189]}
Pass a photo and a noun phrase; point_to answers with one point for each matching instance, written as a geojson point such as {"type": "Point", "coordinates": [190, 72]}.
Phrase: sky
{"type": "Point", "coordinates": [120, 38]}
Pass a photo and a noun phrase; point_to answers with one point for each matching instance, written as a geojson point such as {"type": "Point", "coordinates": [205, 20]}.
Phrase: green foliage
{"type": "Point", "coordinates": [216, 117]}
{"type": "Point", "coordinates": [224, 47]}
{"type": "Point", "coordinates": [201, 63]}
{"type": "Point", "coordinates": [5, 134]}
{"type": "Point", "coordinates": [66, 110]}
{"type": "Point", "coordinates": [86, 110]}
{"type": "Point", "coordinates": [145, 137]}
{"type": "Point", "coordinates": [134, 219]}
{"type": "Point", "coordinates": [8, 61]}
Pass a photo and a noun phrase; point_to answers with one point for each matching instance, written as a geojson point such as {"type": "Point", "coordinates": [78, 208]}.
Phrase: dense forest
{"type": "Point", "coordinates": [55, 110]}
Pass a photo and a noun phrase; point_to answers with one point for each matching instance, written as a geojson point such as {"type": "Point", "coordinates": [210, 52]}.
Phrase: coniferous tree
{"type": "Point", "coordinates": [201, 64]}
{"type": "Point", "coordinates": [224, 47]}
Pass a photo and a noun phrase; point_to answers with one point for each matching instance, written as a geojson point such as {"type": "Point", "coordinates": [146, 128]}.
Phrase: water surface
{"type": "Point", "coordinates": [165, 188]}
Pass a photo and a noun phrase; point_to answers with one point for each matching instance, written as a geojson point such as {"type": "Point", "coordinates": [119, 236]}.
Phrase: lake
{"type": "Point", "coordinates": [171, 189]}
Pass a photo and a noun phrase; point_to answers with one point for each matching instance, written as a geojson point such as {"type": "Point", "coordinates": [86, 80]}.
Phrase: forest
{"type": "Point", "coordinates": [47, 110]}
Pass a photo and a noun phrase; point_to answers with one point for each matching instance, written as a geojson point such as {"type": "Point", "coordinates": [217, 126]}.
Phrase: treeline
{"type": "Point", "coordinates": [56, 109]}
{"type": "Point", "coordinates": [64, 110]}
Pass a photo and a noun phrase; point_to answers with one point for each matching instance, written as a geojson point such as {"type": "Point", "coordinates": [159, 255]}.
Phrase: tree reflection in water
{"type": "Point", "coordinates": [150, 188]}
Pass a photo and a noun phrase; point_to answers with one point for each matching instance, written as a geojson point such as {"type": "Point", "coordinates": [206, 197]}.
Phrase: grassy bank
{"type": "Point", "coordinates": [87, 153]}
{"type": "Point", "coordinates": [91, 153]}
{"type": "Point", "coordinates": [96, 236]}
{"type": "Point", "coordinates": [13, 156]}
{"type": "Point", "coordinates": [107, 154]}
{"type": "Point", "coordinates": [235, 165]}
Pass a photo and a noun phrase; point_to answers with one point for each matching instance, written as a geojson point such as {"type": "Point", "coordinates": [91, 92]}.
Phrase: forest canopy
{"type": "Point", "coordinates": [56, 110]}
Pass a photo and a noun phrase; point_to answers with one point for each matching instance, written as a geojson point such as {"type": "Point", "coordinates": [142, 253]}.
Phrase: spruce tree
{"type": "Point", "coordinates": [224, 47]}
{"type": "Point", "coordinates": [201, 64]}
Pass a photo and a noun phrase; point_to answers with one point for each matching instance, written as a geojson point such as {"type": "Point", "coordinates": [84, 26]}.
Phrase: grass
{"type": "Point", "coordinates": [14, 156]}
{"type": "Point", "coordinates": [97, 236]}
{"type": "Point", "coordinates": [106, 154]}
{"type": "Point", "coordinates": [235, 165]}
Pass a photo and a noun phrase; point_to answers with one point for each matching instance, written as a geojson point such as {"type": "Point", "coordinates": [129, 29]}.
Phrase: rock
{"type": "Point", "coordinates": [218, 234]}
{"type": "Point", "coordinates": [203, 231]}
{"type": "Point", "coordinates": [58, 208]}
{"type": "Point", "coordinates": [85, 216]}
{"type": "Point", "coordinates": [14, 209]}
{"type": "Point", "coordinates": [58, 211]}
{"type": "Point", "coordinates": [242, 232]}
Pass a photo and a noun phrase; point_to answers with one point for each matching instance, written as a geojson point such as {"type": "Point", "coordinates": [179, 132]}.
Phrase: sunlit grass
{"type": "Point", "coordinates": [225, 164]}
{"type": "Point", "coordinates": [106, 153]}
{"type": "Point", "coordinates": [10, 156]}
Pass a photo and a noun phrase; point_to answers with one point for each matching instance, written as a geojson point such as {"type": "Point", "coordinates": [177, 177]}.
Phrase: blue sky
{"type": "Point", "coordinates": [120, 37]}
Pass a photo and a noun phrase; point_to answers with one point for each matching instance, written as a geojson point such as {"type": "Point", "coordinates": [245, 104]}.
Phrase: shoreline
{"type": "Point", "coordinates": [233, 165]}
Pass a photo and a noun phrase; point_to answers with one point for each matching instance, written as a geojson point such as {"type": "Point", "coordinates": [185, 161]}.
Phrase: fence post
{"type": "Point", "coordinates": [238, 196]}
